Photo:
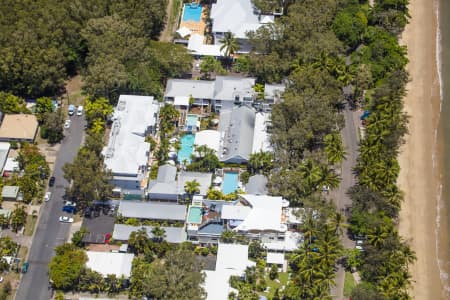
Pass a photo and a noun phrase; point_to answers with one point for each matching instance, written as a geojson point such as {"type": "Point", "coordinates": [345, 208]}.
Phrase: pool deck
{"type": "Point", "coordinates": [195, 27]}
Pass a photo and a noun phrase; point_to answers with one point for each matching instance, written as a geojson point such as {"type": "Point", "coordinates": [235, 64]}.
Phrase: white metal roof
{"type": "Point", "coordinates": [261, 139]}
{"type": "Point", "coordinates": [292, 241]}
{"type": "Point", "coordinates": [237, 16]}
{"type": "Point", "coordinates": [181, 101]}
{"type": "Point", "coordinates": [232, 259]}
{"type": "Point", "coordinates": [110, 263]}
{"type": "Point", "coordinates": [235, 212]}
{"type": "Point", "coordinates": [127, 150]}
{"type": "Point", "coordinates": [11, 164]}
{"type": "Point", "coordinates": [197, 46]}
{"type": "Point", "coordinates": [209, 138]}
{"type": "Point", "coordinates": [4, 150]}
{"type": "Point", "coordinates": [275, 258]}
{"type": "Point", "coordinates": [265, 213]}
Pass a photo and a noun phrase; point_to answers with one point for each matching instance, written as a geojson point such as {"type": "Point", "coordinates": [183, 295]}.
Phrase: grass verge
{"type": "Point", "coordinates": [349, 284]}
{"type": "Point", "coordinates": [29, 226]}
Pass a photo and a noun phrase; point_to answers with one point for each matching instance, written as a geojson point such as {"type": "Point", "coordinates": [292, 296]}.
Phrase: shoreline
{"type": "Point", "coordinates": [421, 156]}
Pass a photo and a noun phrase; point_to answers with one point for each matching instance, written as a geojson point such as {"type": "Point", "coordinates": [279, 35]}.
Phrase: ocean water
{"type": "Point", "coordinates": [443, 208]}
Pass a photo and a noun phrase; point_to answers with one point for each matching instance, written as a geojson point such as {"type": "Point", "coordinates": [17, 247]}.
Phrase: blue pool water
{"type": "Point", "coordinates": [230, 182]}
{"type": "Point", "coordinates": [187, 146]}
{"type": "Point", "coordinates": [191, 122]}
{"type": "Point", "coordinates": [192, 13]}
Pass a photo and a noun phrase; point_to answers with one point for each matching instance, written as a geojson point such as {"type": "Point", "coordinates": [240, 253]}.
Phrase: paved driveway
{"type": "Point", "coordinates": [50, 232]}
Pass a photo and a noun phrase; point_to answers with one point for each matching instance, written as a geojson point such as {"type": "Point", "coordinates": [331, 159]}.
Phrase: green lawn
{"type": "Point", "coordinates": [282, 277]}
{"type": "Point", "coordinates": [349, 284]}
{"type": "Point", "coordinates": [29, 226]}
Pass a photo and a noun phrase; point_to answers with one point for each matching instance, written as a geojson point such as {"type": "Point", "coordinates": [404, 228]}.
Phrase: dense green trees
{"type": "Point", "coordinates": [66, 266]}
{"type": "Point", "coordinates": [108, 42]}
{"type": "Point", "coordinates": [10, 104]}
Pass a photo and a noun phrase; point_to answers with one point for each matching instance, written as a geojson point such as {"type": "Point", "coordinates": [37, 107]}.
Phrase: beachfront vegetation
{"type": "Point", "coordinates": [325, 49]}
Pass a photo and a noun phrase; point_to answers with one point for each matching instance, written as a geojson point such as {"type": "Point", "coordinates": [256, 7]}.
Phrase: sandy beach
{"type": "Point", "coordinates": [418, 179]}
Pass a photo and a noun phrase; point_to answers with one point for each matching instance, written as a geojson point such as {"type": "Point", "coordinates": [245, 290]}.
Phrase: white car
{"type": "Point", "coordinates": [66, 219]}
{"type": "Point", "coordinates": [67, 124]}
{"type": "Point", "coordinates": [47, 196]}
{"type": "Point", "coordinates": [80, 111]}
{"type": "Point", "coordinates": [69, 203]}
{"type": "Point", "coordinates": [360, 248]}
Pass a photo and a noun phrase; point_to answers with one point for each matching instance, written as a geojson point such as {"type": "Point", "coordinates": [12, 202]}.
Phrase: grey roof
{"type": "Point", "coordinates": [4, 150]}
{"type": "Point", "coordinates": [199, 89]}
{"type": "Point", "coordinates": [228, 87]}
{"type": "Point", "coordinates": [152, 211]}
{"type": "Point", "coordinates": [257, 185]}
{"type": "Point", "coordinates": [176, 187]}
{"type": "Point", "coordinates": [211, 229]}
{"type": "Point", "coordinates": [10, 191]}
{"type": "Point", "coordinates": [166, 173]}
{"type": "Point", "coordinates": [173, 234]}
{"type": "Point", "coordinates": [272, 91]}
{"type": "Point", "coordinates": [203, 178]}
{"type": "Point", "coordinates": [238, 127]}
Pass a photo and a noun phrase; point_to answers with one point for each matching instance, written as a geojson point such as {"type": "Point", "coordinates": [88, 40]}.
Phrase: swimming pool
{"type": "Point", "coordinates": [191, 122]}
{"type": "Point", "coordinates": [187, 146]}
{"type": "Point", "coordinates": [192, 12]}
{"type": "Point", "coordinates": [230, 182]}
{"type": "Point", "coordinates": [195, 215]}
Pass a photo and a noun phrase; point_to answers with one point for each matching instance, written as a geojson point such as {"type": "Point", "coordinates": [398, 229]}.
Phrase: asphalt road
{"type": "Point", "coordinates": [50, 232]}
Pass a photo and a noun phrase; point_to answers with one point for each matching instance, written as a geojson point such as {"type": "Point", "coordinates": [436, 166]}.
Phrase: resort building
{"type": "Point", "coordinates": [170, 186]}
{"type": "Point", "coordinates": [209, 138]}
{"type": "Point", "coordinates": [265, 218]}
{"type": "Point", "coordinates": [222, 93]}
{"type": "Point", "coordinates": [238, 17]}
{"type": "Point", "coordinates": [11, 193]}
{"type": "Point", "coordinates": [152, 211]}
{"type": "Point", "coordinates": [173, 235]}
{"type": "Point", "coordinates": [110, 263]}
{"type": "Point", "coordinates": [18, 128]}
{"type": "Point", "coordinates": [232, 260]}
{"type": "Point", "coordinates": [127, 152]}
{"type": "Point", "coordinates": [4, 151]}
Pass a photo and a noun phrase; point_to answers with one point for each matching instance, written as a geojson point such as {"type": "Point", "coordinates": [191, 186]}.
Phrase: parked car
{"type": "Point", "coordinates": [80, 110]}
{"type": "Point", "coordinates": [69, 209]}
{"type": "Point", "coordinates": [25, 267]}
{"type": "Point", "coordinates": [51, 182]}
{"type": "Point", "coordinates": [71, 109]}
{"type": "Point", "coordinates": [67, 124]}
{"type": "Point", "coordinates": [47, 196]}
{"type": "Point", "coordinates": [70, 203]}
{"type": "Point", "coordinates": [66, 219]}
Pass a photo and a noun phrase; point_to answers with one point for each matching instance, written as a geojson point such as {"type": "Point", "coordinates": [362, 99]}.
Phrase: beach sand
{"type": "Point", "coordinates": [418, 179]}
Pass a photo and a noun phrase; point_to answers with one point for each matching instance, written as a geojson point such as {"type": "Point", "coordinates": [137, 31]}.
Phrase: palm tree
{"type": "Point", "coordinates": [311, 173]}
{"type": "Point", "coordinates": [158, 234]}
{"type": "Point", "coordinates": [377, 236]}
{"type": "Point", "coordinates": [138, 241]}
{"type": "Point", "coordinates": [334, 148]}
{"type": "Point", "coordinates": [192, 187]}
{"type": "Point", "coordinates": [337, 222]}
{"type": "Point", "coordinates": [329, 178]}
{"type": "Point", "coordinates": [229, 44]}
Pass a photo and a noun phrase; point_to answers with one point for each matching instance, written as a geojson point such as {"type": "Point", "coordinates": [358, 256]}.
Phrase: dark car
{"type": "Point", "coordinates": [51, 182]}
{"type": "Point", "coordinates": [25, 267]}
{"type": "Point", "coordinates": [69, 209]}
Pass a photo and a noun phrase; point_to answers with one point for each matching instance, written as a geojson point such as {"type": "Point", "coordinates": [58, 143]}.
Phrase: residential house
{"type": "Point", "coordinates": [11, 165]}
{"type": "Point", "coordinates": [110, 263]}
{"type": "Point", "coordinates": [152, 211]}
{"type": "Point", "coordinates": [173, 235]}
{"type": "Point", "coordinates": [232, 260]}
{"type": "Point", "coordinates": [169, 186]}
{"type": "Point", "coordinates": [18, 128]}
{"type": "Point", "coordinates": [11, 193]}
{"type": "Point", "coordinates": [222, 93]}
{"type": "Point", "coordinates": [273, 93]}
{"type": "Point", "coordinates": [238, 17]}
{"type": "Point", "coordinates": [127, 152]}
{"type": "Point", "coordinates": [4, 151]}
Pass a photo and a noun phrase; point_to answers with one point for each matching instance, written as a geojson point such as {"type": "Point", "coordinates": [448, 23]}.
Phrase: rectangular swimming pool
{"type": "Point", "coordinates": [191, 122]}
{"type": "Point", "coordinates": [187, 147]}
{"type": "Point", "coordinates": [195, 215]}
{"type": "Point", "coordinates": [230, 182]}
{"type": "Point", "coordinates": [192, 12]}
